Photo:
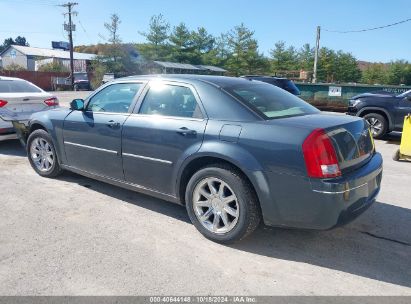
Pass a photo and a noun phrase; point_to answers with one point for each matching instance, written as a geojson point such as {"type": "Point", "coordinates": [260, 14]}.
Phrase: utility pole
{"type": "Point", "coordinates": [317, 50]}
{"type": "Point", "coordinates": [70, 27]}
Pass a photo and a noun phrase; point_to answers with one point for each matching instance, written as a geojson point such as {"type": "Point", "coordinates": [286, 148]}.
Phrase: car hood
{"type": "Point", "coordinates": [58, 113]}
{"type": "Point", "coordinates": [381, 94]}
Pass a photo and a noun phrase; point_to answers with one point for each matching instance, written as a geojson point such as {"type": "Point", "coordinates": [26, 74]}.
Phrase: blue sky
{"type": "Point", "coordinates": [272, 20]}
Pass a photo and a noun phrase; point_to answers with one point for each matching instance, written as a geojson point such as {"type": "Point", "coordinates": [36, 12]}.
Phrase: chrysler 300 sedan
{"type": "Point", "coordinates": [234, 152]}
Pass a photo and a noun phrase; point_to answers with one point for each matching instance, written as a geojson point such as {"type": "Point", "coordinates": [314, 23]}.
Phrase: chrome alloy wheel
{"type": "Point", "coordinates": [215, 205]}
{"type": "Point", "coordinates": [375, 125]}
{"type": "Point", "coordinates": [42, 154]}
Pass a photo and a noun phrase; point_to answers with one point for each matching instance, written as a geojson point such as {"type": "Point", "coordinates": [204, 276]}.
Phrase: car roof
{"type": "Point", "coordinates": [218, 81]}
{"type": "Point", "coordinates": [263, 76]}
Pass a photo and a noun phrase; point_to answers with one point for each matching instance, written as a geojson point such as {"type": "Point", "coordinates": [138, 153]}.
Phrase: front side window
{"type": "Point", "coordinates": [17, 86]}
{"type": "Point", "coordinates": [115, 98]}
{"type": "Point", "coordinates": [270, 101]}
{"type": "Point", "coordinates": [170, 100]}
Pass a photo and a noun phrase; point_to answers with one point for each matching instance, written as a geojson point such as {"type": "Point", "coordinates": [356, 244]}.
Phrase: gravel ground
{"type": "Point", "coordinates": [77, 236]}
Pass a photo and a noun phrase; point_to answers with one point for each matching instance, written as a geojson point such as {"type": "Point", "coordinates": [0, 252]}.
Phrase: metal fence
{"type": "Point", "coordinates": [335, 97]}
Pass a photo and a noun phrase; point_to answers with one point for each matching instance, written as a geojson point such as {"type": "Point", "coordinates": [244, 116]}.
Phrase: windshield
{"type": "Point", "coordinates": [289, 86]}
{"type": "Point", "coordinates": [405, 94]}
{"type": "Point", "coordinates": [270, 101]}
{"type": "Point", "coordinates": [80, 76]}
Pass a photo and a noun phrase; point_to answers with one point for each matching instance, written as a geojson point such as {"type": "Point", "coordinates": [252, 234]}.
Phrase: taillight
{"type": "Point", "coordinates": [2, 103]}
{"type": "Point", "coordinates": [319, 155]}
{"type": "Point", "coordinates": [53, 101]}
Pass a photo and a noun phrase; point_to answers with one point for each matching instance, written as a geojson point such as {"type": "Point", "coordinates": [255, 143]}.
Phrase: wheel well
{"type": "Point", "coordinates": [35, 127]}
{"type": "Point", "coordinates": [202, 162]}
{"type": "Point", "coordinates": [365, 112]}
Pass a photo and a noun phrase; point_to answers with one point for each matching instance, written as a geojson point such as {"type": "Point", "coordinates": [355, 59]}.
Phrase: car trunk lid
{"type": "Point", "coordinates": [350, 136]}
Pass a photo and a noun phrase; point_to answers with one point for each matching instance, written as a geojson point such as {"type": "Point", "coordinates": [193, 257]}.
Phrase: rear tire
{"type": "Point", "coordinates": [222, 204]}
{"type": "Point", "coordinates": [42, 154]}
{"type": "Point", "coordinates": [378, 124]}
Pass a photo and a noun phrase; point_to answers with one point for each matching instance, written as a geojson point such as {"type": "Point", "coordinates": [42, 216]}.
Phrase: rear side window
{"type": "Point", "coordinates": [170, 100]}
{"type": "Point", "coordinates": [270, 101]}
{"type": "Point", "coordinates": [17, 86]}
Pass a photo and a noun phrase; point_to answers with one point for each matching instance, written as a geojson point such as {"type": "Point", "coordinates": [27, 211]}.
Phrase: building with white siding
{"type": "Point", "coordinates": [31, 58]}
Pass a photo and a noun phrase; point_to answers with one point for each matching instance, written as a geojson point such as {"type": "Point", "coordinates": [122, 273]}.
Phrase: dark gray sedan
{"type": "Point", "coordinates": [233, 151]}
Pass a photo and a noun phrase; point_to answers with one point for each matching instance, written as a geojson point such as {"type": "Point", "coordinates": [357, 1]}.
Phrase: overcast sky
{"type": "Point", "coordinates": [40, 21]}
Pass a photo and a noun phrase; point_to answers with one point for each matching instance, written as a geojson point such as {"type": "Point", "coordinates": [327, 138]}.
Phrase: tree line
{"type": "Point", "coordinates": [236, 50]}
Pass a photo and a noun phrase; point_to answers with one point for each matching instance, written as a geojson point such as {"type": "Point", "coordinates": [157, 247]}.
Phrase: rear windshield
{"type": "Point", "coordinates": [17, 86]}
{"type": "Point", "coordinates": [270, 101]}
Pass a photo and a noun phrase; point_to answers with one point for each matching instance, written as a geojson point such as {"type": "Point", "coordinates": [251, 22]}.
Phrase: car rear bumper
{"type": "Point", "coordinates": [299, 202]}
{"type": "Point", "coordinates": [8, 136]}
{"type": "Point", "coordinates": [7, 131]}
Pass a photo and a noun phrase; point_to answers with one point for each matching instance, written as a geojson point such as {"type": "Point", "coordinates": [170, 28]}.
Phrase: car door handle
{"type": "Point", "coordinates": [113, 124]}
{"type": "Point", "coordinates": [186, 132]}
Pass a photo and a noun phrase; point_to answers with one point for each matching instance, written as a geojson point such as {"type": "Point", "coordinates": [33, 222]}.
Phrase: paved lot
{"type": "Point", "coordinates": [76, 236]}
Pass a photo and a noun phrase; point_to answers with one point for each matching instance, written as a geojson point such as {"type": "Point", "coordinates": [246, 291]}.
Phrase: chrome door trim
{"type": "Point", "coordinates": [89, 147]}
{"type": "Point", "coordinates": [148, 158]}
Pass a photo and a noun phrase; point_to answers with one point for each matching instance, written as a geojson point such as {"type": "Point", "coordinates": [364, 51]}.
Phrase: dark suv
{"type": "Point", "coordinates": [383, 111]}
{"type": "Point", "coordinates": [283, 83]}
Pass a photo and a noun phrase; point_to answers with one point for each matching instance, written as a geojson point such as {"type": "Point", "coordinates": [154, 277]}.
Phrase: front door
{"type": "Point", "coordinates": [167, 128]}
{"type": "Point", "coordinates": [92, 138]}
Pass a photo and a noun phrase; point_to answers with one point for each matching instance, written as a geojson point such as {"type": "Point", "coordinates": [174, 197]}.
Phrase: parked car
{"type": "Point", "coordinates": [19, 97]}
{"type": "Point", "coordinates": [383, 111]}
{"type": "Point", "coordinates": [283, 83]}
{"type": "Point", "coordinates": [107, 78]}
{"type": "Point", "coordinates": [233, 151]}
{"type": "Point", "coordinates": [81, 82]}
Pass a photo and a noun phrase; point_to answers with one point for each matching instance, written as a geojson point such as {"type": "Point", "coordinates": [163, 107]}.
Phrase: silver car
{"type": "Point", "coordinates": [19, 99]}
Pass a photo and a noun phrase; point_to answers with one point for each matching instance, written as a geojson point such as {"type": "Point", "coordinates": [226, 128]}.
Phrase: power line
{"type": "Point", "coordinates": [84, 30]}
{"type": "Point", "coordinates": [369, 29]}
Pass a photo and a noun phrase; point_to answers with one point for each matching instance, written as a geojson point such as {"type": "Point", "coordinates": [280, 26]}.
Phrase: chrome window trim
{"type": "Point", "coordinates": [90, 147]}
{"type": "Point", "coordinates": [148, 158]}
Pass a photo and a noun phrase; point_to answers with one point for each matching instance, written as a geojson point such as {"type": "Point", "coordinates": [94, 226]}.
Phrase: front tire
{"type": "Point", "coordinates": [222, 204]}
{"type": "Point", "coordinates": [378, 124]}
{"type": "Point", "coordinates": [42, 154]}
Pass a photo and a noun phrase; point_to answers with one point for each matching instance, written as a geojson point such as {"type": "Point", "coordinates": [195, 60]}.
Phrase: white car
{"type": "Point", "coordinates": [20, 98]}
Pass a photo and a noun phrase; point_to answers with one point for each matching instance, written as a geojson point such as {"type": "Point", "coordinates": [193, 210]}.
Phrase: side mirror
{"type": "Point", "coordinates": [408, 97]}
{"type": "Point", "coordinates": [77, 105]}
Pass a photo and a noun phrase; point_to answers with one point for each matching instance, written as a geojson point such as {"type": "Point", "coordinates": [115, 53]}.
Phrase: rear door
{"type": "Point", "coordinates": [167, 127]}
{"type": "Point", "coordinates": [92, 138]}
{"type": "Point", "coordinates": [403, 109]}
